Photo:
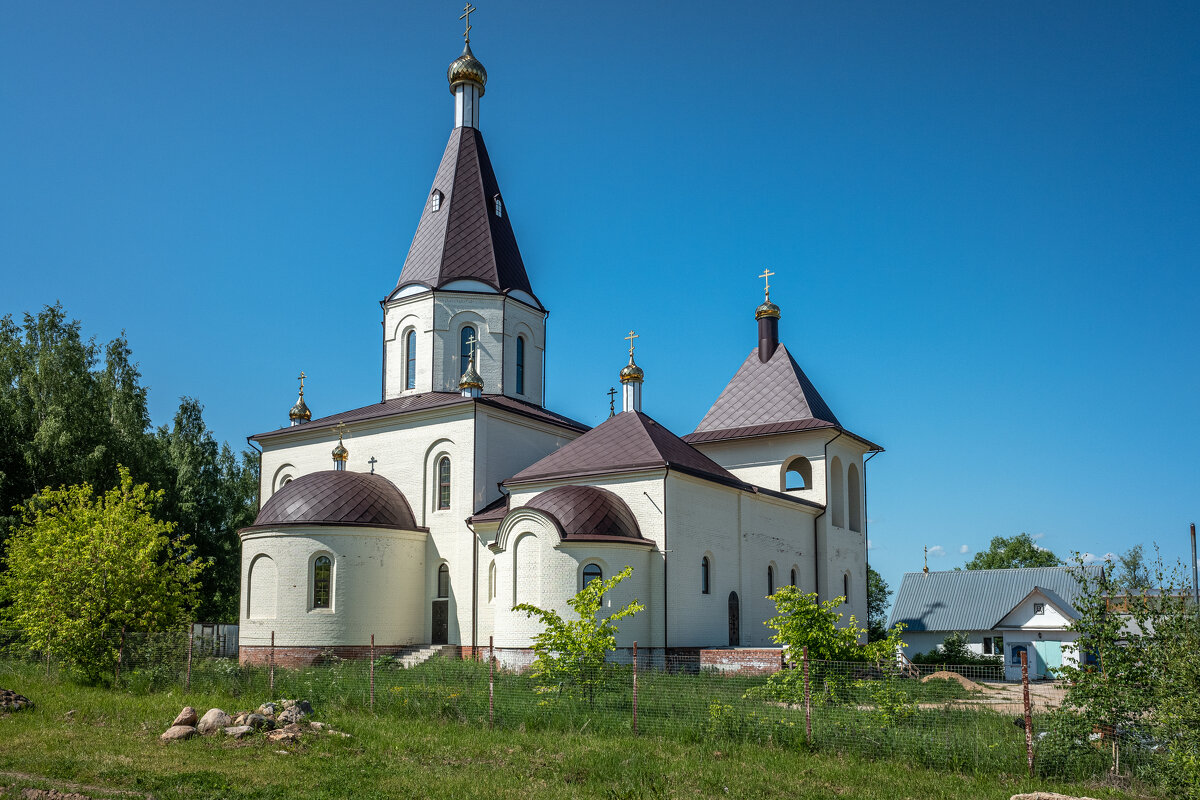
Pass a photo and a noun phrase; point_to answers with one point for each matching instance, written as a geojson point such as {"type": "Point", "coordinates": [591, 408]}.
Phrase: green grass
{"type": "Point", "coordinates": [423, 743]}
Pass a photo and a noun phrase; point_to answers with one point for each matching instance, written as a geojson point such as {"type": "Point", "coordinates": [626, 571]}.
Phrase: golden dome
{"type": "Point", "coordinates": [300, 411]}
{"type": "Point", "coordinates": [466, 68]}
{"type": "Point", "coordinates": [632, 373]}
{"type": "Point", "coordinates": [340, 453]}
{"type": "Point", "coordinates": [767, 309]}
{"type": "Point", "coordinates": [470, 379]}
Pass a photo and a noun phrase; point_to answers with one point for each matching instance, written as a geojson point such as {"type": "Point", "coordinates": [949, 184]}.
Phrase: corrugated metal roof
{"type": "Point", "coordinates": [974, 599]}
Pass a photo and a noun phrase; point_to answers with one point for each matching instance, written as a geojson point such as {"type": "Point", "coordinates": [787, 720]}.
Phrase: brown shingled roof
{"type": "Point", "coordinates": [492, 512]}
{"type": "Point", "coordinates": [337, 497]}
{"type": "Point", "coordinates": [630, 440]}
{"type": "Point", "coordinates": [587, 512]}
{"type": "Point", "coordinates": [464, 239]}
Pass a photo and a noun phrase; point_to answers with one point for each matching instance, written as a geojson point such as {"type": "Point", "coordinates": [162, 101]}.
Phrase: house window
{"type": "Point", "coordinates": [1016, 654]}
{"type": "Point", "coordinates": [704, 575]}
{"type": "Point", "coordinates": [987, 645]}
{"type": "Point", "coordinates": [520, 365]}
{"type": "Point", "coordinates": [443, 480]}
{"type": "Point", "coordinates": [592, 572]}
{"type": "Point", "coordinates": [410, 360]}
{"type": "Point", "coordinates": [793, 576]}
{"type": "Point", "coordinates": [1039, 608]}
{"type": "Point", "coordinates": [322, 569]}
{"type": "Point", "coordinates": [464, 349]}
{"type": "Point", "coordinates": [770, 581]}
{"type": "Point", "coordinates": [443, 583]}
{"type": "Point", "coordinates": [997, 645]}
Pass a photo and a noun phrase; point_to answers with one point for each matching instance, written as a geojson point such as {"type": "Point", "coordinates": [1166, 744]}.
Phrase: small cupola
{"type": "Point", "coordinates": [340, 455]}
{"type": "Point", "coordinates": [632, 377]}
{"type": "Point", "coordinates": [471, 384]}
{"type": "Point", "coordinates": [767, 315]}
{"type": "Point", "coordinates": [300, 413]}
{"type": "Point", "coordinates": [467, 79]}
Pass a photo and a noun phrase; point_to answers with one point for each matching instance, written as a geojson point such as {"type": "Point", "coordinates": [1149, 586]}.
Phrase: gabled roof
{"type": "Point", "coordinates": [1062, 605]}
{"type": "Point", "coordinates": [768, 397]}
{"type": "Point", "coordinates": [977, 599]}
{"type": "Point", "coordinates": [627, 441]}
{"type": "Point", "coordinates": [464, 238]}
{"type": "Point", "coordinates": [410, 403]}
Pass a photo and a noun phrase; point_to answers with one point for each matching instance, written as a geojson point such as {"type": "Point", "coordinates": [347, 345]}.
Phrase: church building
{"type": "Point", "coordinates": [421, 519]}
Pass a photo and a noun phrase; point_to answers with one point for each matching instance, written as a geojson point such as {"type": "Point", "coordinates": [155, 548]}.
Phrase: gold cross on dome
{"type": "Point", "coordinates": [471, 341]}
{"type": "Point", "coordinates": [766, 276]}
{"type": "Point", "coordinates": [340, 429]}
{"type": "Point", "coordinates": [302, 377]}
{"type": "Point", "coordinates": [631, 337]}
{"type": "Point", "coordinates": [468, 9]}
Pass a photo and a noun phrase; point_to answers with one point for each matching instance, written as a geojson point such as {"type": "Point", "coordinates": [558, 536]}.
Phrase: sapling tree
{"type": "Point", "coordinates": [570, 655]}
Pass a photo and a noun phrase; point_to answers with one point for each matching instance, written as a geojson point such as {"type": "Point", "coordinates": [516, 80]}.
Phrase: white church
{"type": "Point", "coordinates": [423, 518]}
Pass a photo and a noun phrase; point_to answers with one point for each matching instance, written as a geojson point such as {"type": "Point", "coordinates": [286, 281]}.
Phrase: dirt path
{"type": "Point", "coordinates": [15, 784]}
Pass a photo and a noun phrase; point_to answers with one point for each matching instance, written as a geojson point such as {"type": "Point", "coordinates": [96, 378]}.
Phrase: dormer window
{"type": "Point", "coordinates": [498, 205]}
{"type": "Point", "coordinates": [435, 200]}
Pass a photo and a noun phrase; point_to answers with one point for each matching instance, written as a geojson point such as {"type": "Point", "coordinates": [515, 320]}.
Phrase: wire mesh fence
{"type": "Point", "coordinates": [964, 718]}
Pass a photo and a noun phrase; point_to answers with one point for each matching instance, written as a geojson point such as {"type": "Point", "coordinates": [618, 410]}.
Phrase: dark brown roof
{"type": "Point", "coordinates": [587, 512]}
{"type": "Point", "coordinates": [337, 497]}
{"type": "Point", "coordinates": [464, 239]}
{"type": "Point", "coordinates": [492, 512]}
{"type": "Point", "coordinates": [426, 400]}
{"type": "Point", "coordinates": [629, 440]}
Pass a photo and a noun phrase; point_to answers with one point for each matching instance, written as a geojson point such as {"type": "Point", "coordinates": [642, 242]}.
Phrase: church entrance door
{"type": "Point", "coordinates": [441, 621]}
{"type": "Point", "coordinates": [735, 633]}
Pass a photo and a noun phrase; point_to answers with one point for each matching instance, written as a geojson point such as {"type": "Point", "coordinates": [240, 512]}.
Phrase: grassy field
{"type": "Point", "coordinates": [109, 747]}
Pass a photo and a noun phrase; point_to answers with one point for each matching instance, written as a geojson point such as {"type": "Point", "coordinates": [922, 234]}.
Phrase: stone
{"type": "Point", "coordinates": [11, 701]}
{"type": "Point", "coordinates": [293, 728]}
{"type": "Point", "coordinates": [291, 715]}
{"type": "Point", "coordinates": [283, 736]}
{"type": "Point", "coordinates": [258, 722]}
{"type": "Point", "coordinates": [268, 709]}
{"type": "Point", "coordinates": [305, 706]}
{"type": "Point", "coordinates": [1047, 796]}
{"type": "Point", "coordinates": [214, 720]}
{"type": "Point", "coordinates": [186, 717]}
{"type": "Point", "coordinates": [177, 733]}
{"type": "Point", "coordinates": [317, 726]}
{"type": "Point", "coordinates": [239, 731]}
{"type": "Point", "coordinates": [239, 718]}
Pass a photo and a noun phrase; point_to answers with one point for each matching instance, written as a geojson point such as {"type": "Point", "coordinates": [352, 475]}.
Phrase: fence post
{"type": "Point", "coordinates": [491, 682]}
{"type": "Point", "coordinates": [191, 640]}
{"type": "Point", "coordinates": [635, 704]}
{"type": "Point", "coordinates": [1028, 710]}
{"type": "Point", "coordinates": [120, 655]}
{"type": "Point", "coordinates": [271, 667]}
{"type": "Point", "coordinates": [372, 672]}
{"type": "Point", "coordinates": [807, 700]}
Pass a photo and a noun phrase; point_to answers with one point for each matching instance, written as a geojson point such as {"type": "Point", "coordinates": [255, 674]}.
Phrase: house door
{"type": "Point", "coordinates": [735, 633]}
{"type": "Point", "coordinates": [1049, 658]}
{"type": "Point", "coordinates": [1012, 664]}
{"type": "Point", "coordinates": [441, 621]}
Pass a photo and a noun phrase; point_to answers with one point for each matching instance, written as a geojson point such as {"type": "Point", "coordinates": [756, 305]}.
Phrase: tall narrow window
{"type": "Point", "coordinates": [705, 567]}
{"type": "Point", "coordinates": [846, 586]}
{"type": "Point", "coordinates": [793, 576]}
{"type": "Point", "coordinates": [592, 572]}
{"type": "Point", "coordinates": [444, 580]}
{"type": "Point", "coordinates": [520, 365]}
{"type": "Point", "coordinates": [770, 580]}
{"type": "Point", "coordinates": [464, 358]}
{"type": "Point", "coordinates": [492, 581]}
{"type": "Point", "coordinates": [322, 568]}
{"type": "Point", "coordinates": [499, 206]}
{"type": "Point", "coordinates": [410, 360]}
{"type": "Point", "coordinates": [443, 481]}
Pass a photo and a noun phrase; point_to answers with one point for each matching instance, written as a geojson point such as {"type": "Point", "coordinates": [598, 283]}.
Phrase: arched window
{"type": "Point", "coordinates": [592, 572]}
{"type": "Point", "coordinates": [770, 581]}
{"type": "Point", "coordinates": [443, 483]}
{"type": "Point", "coordinates": [793, 576]}
{"type": "Point", "coordinates": [846, 586]}
{"type": "Point", "coordinates": [322, 575]}
{"type": "Point", "coordinates": [1016, 654]}
{"type": "Point", "coordinates": [443, 585]}
{"type": "Point", "coordinates": [410, 360]}
{"type": "Point", "coordinates": [705, 567]}
{"type": "Point", "coordinates": [797, 474]}
{"type": "Point", "coordinates": [464, 349]}
{"type": "Point", "coordinates": [492, 581]}
{"type": "Point", "coordinates": [854, 490]}
{"type": "Point", "coordinates": [520, 365]}
{"type": "Point", "coordinates": [499, 206]}
{"type": "Point", "coordinates": [837, 493]}
{"type": "Point", "coordinates": [435, 200]}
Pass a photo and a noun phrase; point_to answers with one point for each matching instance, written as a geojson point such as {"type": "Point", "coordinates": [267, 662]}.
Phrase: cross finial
{"type": "Point", "coordinates": [766, 276]}
{"type": "Point", "coordinates": [471, 342]}
{"type": "Point", "coordinates": [468, 9]}
{"type": "Point", "coordinates": [631, 337]}
{"type": "Point", "coordinates": [372, 461]}
{"type": "Point", "coordinates": [340, 429]}
{"type": "Point", "coordinates": [926, 558]}
{"type": "Point", "coordinates": [302, 377]}
{"type": "Point", "coordinates": [612, 402]}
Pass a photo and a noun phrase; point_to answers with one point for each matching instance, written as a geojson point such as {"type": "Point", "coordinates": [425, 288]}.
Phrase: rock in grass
{"type": "Point", "coordinates": [317, 726]}
{"type": "Point", "coordinates": [268, 709]}
{"type": "Point", "coordinates": [186, 717]}
{"type": "Point", "coordinates": [213, 720]}
{"type": "Point", "coordinates": [239, 731]}
{"type": "Point", "coordinates": [291, 715]}
{"type": "Point", "coordinates": [1047, 796]}
{"type": "Point", "coordinates": [283, 736]}
{"type": "Point", "coordinates": [258, 722]}
{"type": "Point", "coordinates": [11, 701]}
{"type": "Point", "coordinates": [178, 732]}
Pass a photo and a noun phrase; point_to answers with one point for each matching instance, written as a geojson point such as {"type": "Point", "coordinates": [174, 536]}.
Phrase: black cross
{"type": "Point", "coordinates": [372, 461]}
{"type": "Point", "coordinates": [612, 403]}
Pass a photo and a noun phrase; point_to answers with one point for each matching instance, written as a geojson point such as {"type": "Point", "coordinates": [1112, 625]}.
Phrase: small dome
{"type": "Point", "coordinates": [340, 453]}
{"type": "Point", "coordinates": [466, 68]}
{"type": "Point", "coordinates": [584, 511]}
{"type": "Point", "coordinates": [470, 379]}
{"type": "Point", "coordinates": [300, 411]}
{"type": "Point", "coordinates": [631, 372]}
{"type": "Point", "coordinates": [338, 498]}
{"type": "Point", "coordinates": [767, 309]}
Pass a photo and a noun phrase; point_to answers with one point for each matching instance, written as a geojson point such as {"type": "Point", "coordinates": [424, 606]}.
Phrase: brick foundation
{"type": "Point", "coordinates": [743, 660]}
{"type": "Point", "coordinates": [292, 657]}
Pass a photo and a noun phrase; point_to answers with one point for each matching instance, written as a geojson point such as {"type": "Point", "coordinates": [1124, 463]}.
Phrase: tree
{"type": "Point", "coordinates": [878, 595]}
{"type": "Point", "coordinates": [83, 569]}
{"type": "Point", "coordinates": [1005, 552]}
{"type": "Point", "coordinates": [571, 654]}
{"type": "Point", "coordinates": [801, 622]}
{"type": "Point", "coordinates": [1132, 575]}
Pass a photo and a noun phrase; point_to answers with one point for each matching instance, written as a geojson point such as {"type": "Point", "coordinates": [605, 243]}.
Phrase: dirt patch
{"type": "Point", "coordinates": [51, 794]}
{"type": "Point", "coordinates": [966, 683]}
{"type": "Point", "coordinates": [9, 790]}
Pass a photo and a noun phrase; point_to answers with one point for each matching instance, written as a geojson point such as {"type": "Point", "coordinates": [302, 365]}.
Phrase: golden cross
{"type": "Point", "coordinates": [767, 277]}
{"type": "Point", "coordinates": [631, 337]}
{"type": "Point", "coordinates": [471, 344]}
{"type": "Point", "coordinates": [340, 428]}
{"type": "Point", "coordinates": [468, 9]}
{"type": "Point", "coordinates": [302, 377]}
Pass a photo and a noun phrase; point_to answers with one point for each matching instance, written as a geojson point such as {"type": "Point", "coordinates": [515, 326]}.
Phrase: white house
{"type": "Point", "coordinates": [1003, 612]}
{"type": "Point", "coordinates": [422, 518]}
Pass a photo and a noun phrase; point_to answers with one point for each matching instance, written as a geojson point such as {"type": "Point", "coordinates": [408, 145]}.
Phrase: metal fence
{"type": "Point", "coordinates": [960, 718]}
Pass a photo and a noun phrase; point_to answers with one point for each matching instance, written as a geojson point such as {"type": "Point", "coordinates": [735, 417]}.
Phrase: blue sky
{"type": "Point", "coordinates": [983, 218]}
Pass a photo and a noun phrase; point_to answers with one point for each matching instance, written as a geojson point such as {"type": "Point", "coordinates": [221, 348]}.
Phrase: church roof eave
{"type": "Point", "coordinates": [775, 429]}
